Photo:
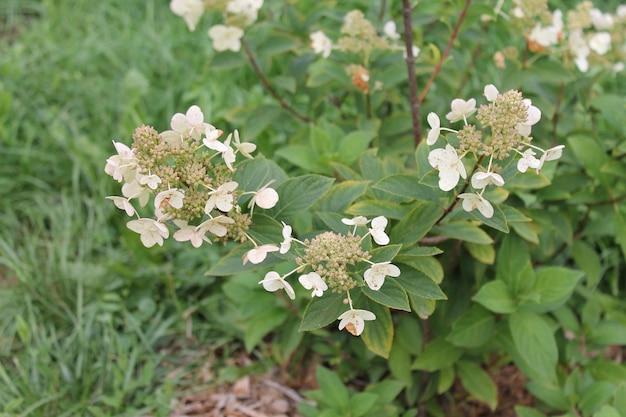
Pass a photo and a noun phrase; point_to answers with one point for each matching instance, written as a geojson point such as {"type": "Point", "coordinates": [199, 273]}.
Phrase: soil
{"type": "Point", "coordinates": [277, 394]}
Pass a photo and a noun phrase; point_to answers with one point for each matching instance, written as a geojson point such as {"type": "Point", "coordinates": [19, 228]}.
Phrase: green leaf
{"type": "Point", "coordinates": [620, 397]}
{"type": "Point", "coordinates": [322, 311]}
{"type": "Point", "coordinates": [298, 194]}
{"type": "Point", "coordinates": [437, 355]}
{"type": "Point", "coordinates": [400, 363]}
{"type": "Point", "coordinates": [340, 196]}
{"type": "Point", "coordinates": [554, 286]}
{"type": "Point", "coordinates": [513, 265]}
{"type": "Point", "coordinates": [464, 230]}
{"type": "Point", "coordinates": [375, 208]}
{"type": "Point", "coordinates": [423, 307]}
{"type": "Point", "coordinates": [252, 174]}
{"type": "Point", "coordinates": [378, 334]}
{"type": "Point", "coordinates": [320, 140]}
{"type": "Point", "coordinates": [387, 390]}
{"type": "Point", "coordinates": [591, 154]}
{"type": "Point", "coordinates": [603, 370]}
{"type": "Point", "coordinates": [351, 145]}
{"type": "Point", "coordinates": [446, 379]}
{"type": "Point", "coordinates": [417, 283]}
{"type": "Point", "coordinates": [607, 411]}
{"type": "Point", "coordinates": [522, 411]}
{"type": "Point", "coordinates": [594, 396]}
{"type": "Point", "coordinates": [498, 221]}
{"type": "Point", "coordinates": [384, 253]}
{"type": "Point", "coordinates": [608, 332]}
{"type": "Point", "coordinates": [482, 253]}
{"type": "Point", "coordinates": [535, 343]}
{"type": "Point", "coordinates": [262, 323]}
{"type": "Point", "coordinates": [409, 334]}
{"type": "Point", "coordinates": [478, 383]}
{"type": "Point", "coordinates": [391, 294]}
{"type": "Point", "coordinates": [416, 224]}
{"type": "Point", "coordinates": [334, 392]}
{"type": "Point", "coordinates": [232, 263]}
{"type": "Point", "coordinates": [473, 328]}
{"type": "Point", "coordinates": [361, 403]}
{"type": "Point", "coordinates": [611, 106]}
{"type": "Point", "coordinates": [528, 181]}
{"type": "Point", "coordinates": [407, 186]}
{"type": "Point", "coordinates": [286, 83]}
{"type": "Point", "coordinates": [227, 60]}
{"type": "Point", "coordinates": [496, 297]}
{"type": "Point", "coordinates": [277, 44]}
{"type": "Point", "coordinates": [301, 156]}
{"type": "Point", "coordinates": [324, 71]}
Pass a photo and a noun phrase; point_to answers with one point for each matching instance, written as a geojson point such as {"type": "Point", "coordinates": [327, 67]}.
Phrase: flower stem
{"type": "Point", "coordinates": [453, 37]}
{"type": "Point", "coordinates": [456, 200]}
{"type": "Point", "coordinates": [410, 64]}
{"type": "Point", "coordinates": [268, 86]}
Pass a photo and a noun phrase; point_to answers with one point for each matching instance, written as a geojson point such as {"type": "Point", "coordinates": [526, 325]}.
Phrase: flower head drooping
{"type": "Point", "coordinates": [375, 275]}
{"type": "Point", "coordinates": [449, 165]}
{"type": "Point", "coordinates": [274, 282]}
{"type": "Point", "coordinates": [226, 38]}
{"type": "Point", "coordinates": [312, 281]}
{"type": "Point", "coordinates": [353, 320]}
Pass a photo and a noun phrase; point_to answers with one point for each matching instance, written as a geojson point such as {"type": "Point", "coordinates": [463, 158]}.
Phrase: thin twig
{"type": "Point", "coordinates": [453, 37]}
{"type": "Point", "coordinates": [269, 87]}
{"type": "Point", "coordinates": [410, 65]}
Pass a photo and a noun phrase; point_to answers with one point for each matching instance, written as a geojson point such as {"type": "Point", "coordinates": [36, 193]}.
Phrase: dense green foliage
{"type": "Point", "coordinates": [90, 316]}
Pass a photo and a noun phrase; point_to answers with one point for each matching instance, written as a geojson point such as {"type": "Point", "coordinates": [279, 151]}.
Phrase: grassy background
{"type": "Point", "coordinates": [87, 316]}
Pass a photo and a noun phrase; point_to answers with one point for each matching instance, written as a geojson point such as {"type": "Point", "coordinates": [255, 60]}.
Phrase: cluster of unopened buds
{"type": "Point", "coordinates": [589, 35]}
{"type": "Point", "coordinates": [506, 123]}
{"type": "Point", "coordinates": [191, 187]}
{"type": "Point", "coordinates": [236, 15]}
{"type": "Point", "coordinates": [360, 36]}
{"type": "Point", "coordinates": [332, 260]}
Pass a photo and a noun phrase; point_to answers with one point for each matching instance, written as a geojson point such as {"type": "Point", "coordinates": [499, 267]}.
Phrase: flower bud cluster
{"type": "Point", "coordinates": [236, 16]}
{"type": "Point", "coordinates": [505, 126]}
{"type": "Point", "coordinates": [587, 35]}
{"type": "Point", "coordinates": [188, 172]}
{"type": "Point", "coordinates": [333, 259]}
{"type": "Point", "coordinates": [360, 36]}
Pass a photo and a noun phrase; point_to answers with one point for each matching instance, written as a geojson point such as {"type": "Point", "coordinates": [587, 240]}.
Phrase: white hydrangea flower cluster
{"type": "Point", "coordinates": [236, 15]}
{"type": "Point", "coordinates": [506, 123]}
{"type": "Point", "coordinates": [189, 171]}
{"type": "Point", "coordinates": [331, 259]}
{"type": "Point", "coordinates": [588, 34]}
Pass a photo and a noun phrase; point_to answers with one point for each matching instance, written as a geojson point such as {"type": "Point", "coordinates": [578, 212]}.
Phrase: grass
{"type": "Point", "coordinates": [85, 309]}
